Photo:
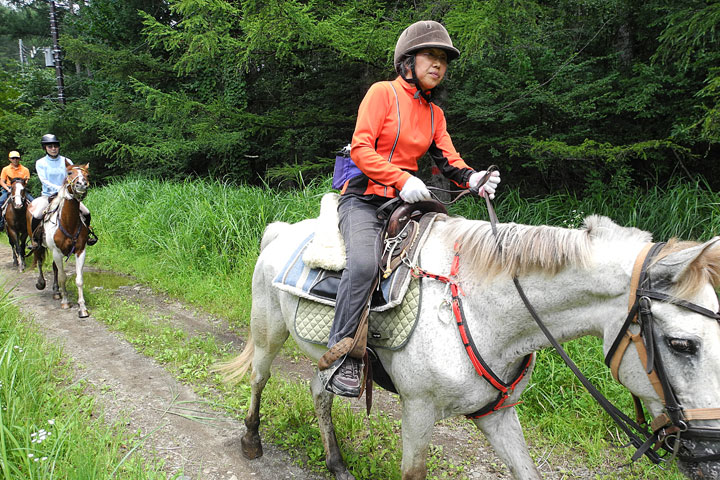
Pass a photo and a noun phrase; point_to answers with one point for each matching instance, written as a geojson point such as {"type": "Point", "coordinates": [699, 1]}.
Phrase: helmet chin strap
{"type": "Point", "coordinates": [415, 81]}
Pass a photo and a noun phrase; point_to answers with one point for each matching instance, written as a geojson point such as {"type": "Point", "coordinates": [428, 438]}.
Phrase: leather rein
{"type": "Point", "coordinates": [78, 196]}
{"type": "Point", "coordinates": [671, 425]}
{"type": "Point", "coordinates": [674, 422]}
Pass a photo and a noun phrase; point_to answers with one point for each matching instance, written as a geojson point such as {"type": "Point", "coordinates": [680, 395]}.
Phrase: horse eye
{"type": "Point", "coordinates": [682, 345]}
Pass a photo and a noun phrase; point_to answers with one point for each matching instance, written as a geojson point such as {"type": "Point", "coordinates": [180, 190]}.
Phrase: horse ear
{"type": "Point", "coordinates": [685, 265]}
{"type": "Point", "coordinates": [67, 163]}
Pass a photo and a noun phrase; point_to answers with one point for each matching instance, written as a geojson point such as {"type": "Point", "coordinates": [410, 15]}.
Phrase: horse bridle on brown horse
{"type": "Point", "coordinates": [77, 194]}
{"type": "Point", "coordinates": [18, 180]}
{"type": "Point", "coordinates": [675, 421]}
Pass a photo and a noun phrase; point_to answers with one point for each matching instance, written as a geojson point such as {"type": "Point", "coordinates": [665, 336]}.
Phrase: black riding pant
{"type": "Point", "coordinates": [360, 229]}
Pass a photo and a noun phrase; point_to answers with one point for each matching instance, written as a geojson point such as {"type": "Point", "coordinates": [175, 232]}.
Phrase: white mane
{"type": "Point", "coordinates": [519, 249]}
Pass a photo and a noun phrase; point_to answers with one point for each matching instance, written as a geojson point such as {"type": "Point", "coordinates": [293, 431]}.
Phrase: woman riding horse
{"type": "Point", "coordinates": [65, 234]}
{"type": "Point", "coordinates": [51, 170]}
{"type": "Point", "coordinates": [397, 124]}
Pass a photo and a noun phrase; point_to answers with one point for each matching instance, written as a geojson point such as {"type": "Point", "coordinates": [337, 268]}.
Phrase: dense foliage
{"type": "Point", "coordinates": [579, 94]}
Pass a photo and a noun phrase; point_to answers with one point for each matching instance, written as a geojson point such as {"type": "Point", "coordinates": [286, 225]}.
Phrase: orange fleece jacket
{"type": "Point", "coordinates": [422, 129]}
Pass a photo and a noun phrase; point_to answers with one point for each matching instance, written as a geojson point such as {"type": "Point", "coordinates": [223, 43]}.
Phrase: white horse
{"type": "Point", "coordinates": [578, 281]}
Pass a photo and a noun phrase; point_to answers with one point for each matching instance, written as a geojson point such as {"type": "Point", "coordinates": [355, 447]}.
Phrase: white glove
{"type": "Point", "coordinates": [414, 191]}
{"type": "Point", "coordinates": [489, 187]}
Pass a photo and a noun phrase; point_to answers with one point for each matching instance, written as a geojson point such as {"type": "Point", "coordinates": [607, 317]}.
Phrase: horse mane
{"type": "Point", "coordinates": [520, 249]}
{"type": "Point", "coordinates": [705, 268]}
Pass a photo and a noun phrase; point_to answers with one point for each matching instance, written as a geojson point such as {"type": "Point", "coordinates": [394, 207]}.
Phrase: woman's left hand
{"type": "Point", "coordinates": [489, 186]}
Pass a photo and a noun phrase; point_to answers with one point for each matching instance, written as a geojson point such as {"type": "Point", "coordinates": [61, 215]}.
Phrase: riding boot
{"type": "Point", "coordinates": [92, 238]}
{"type": "Point", "coordinates": [37, 232]}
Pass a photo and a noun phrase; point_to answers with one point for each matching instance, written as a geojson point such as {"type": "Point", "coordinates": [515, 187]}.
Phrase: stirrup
{"type": "Point", "coordinates": [92, 238]}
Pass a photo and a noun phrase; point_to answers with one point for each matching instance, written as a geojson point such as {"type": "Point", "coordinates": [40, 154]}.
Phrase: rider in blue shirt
{"type": "Point", "coordinates": [52, 173]}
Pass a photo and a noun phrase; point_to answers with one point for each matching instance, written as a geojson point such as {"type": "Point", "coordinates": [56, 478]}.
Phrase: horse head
{"type": "Point", "coordinates": [677, 325]}
{"type": "Point", "coordinates": [17, 192]}
{"type": "Point", "coordinates": [78, 181]}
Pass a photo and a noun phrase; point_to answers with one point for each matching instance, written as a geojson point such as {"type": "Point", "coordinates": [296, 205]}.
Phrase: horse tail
{"type": "Point", "coordinates": [234, 370]}
{"type": "Point", "coordinates": [272, 231]}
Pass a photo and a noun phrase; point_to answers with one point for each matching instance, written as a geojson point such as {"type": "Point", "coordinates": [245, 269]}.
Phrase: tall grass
{"type": "Point", "coordinates": [199, 240]}
{"type": "Point", "coordinates": [48, 427]}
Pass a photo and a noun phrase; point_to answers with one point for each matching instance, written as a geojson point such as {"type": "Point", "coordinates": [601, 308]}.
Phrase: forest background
{"type": "Point", "coordinates": [587, 96]}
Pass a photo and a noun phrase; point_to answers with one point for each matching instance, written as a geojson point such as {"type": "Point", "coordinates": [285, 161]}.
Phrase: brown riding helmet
{"type": "Point", "coordinates": [424, 34]}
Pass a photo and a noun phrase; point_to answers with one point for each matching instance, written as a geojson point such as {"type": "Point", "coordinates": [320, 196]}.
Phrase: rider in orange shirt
{"type": "Point", "coordinates": [397, 124]}
{"type": "Point", "coordinates": [10, 172]}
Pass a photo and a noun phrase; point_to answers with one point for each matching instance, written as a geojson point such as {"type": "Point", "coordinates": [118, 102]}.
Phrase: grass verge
{"type": "Point", "coordinates": [49, 426]}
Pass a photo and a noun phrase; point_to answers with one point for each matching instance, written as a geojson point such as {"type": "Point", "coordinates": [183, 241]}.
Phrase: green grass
{"type": "Point", "coordinates": [199, 241]}
{"type": "Point", "coordinates": [49, 426]}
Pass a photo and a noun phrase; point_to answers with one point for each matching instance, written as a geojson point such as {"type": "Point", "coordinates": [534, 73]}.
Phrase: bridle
{"type": "Point", "coordinates": [20, 181]}
{"type": "Point", "coordinates": [674, 422]}
{"type": "Point", "coordinates": [75, 192]}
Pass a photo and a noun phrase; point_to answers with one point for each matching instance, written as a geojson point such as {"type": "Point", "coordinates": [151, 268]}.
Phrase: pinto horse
{"type": "Point", "coordinates": [65, 234]}
{"type": "Point", "coordinates": [578, 280]}
{"type": "Point", "coordinates": [17, 221]}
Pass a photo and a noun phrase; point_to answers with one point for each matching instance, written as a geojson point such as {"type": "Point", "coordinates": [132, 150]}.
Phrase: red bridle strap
{"type": "Point", "coordinates": [505, 389]}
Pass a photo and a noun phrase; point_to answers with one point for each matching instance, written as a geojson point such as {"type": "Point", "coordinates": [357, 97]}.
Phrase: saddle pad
{"type": "Point", "coordinates": [304, 282]}
{"type": "Point", "coordinates": [389, 329]}
{"type": "Point", "coordinates": [301, 280]}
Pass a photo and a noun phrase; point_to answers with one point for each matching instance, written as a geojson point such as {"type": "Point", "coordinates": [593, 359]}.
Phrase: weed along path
{"type": "Point", "coordinates": [173, 409]}
{"type": "Point", "coordinates": [176, 424]}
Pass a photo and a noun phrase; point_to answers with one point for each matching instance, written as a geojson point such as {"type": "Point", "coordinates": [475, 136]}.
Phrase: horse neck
{"type": "Point", "coordinates": [573, 303]}
{"type": "Point", "coordinates": [69, 209]}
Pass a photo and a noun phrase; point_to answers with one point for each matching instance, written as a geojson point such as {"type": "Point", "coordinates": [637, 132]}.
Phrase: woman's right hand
{"type": "Point", "coordinates": [414, 190]}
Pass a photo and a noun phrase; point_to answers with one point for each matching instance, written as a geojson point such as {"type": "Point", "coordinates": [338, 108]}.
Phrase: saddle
{"type": "Point", "coordinates": [400, 237]}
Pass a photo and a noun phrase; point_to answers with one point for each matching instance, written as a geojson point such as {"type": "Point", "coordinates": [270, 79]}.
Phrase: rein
{"type": "Point", "coordinates": [675, 421]}
{"type": "Point", "coordinates": [504, 388]}
{"type": "Point", "coordinates": [77, 196]}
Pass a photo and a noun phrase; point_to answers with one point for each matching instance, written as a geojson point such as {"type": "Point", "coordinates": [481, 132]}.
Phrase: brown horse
{"type": "Point", "coordinates": [65, 234]}
{"type": "Point", "coordinates": [17, 221]}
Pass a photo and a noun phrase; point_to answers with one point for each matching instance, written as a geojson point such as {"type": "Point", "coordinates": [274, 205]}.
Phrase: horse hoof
{"type": "Point", "coordinates": [65, 306]}
{"type": "Point", "coordinates": [251, 446]}
{"type": "Point", "coordinates": [83, 313]}
{"type": "Point", "coordinates": [40, 286]}
{"type": "Point", "coordinates": [56, 296]}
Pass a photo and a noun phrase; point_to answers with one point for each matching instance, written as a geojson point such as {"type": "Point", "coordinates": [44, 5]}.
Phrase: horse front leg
{"type": "Point", "coordinates": [21, 241]}
{"type": "Point", "coordinates": [418, 420]}
{"type": "Point", "coordinates": [59, 277]}
{"type": "Point", "coordinates": [79, 263]}
{"type": "Point", "coordinates": [504, 432]}
{"type": "Point", "coordinates": [323, 410]}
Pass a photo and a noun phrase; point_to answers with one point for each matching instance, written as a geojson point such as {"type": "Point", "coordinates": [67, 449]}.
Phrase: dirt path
{"type": "Point", "coordinates": [135, 389]}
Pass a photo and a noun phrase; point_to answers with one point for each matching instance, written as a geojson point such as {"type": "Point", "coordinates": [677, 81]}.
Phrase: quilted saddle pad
{"type": "Point", "coordinates": [389, 329]}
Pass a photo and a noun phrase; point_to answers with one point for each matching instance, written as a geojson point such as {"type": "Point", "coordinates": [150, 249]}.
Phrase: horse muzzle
{"type": "Point", "coordinates": [79, 191]}
{"type": "Point", "coordinates": [699, 456]}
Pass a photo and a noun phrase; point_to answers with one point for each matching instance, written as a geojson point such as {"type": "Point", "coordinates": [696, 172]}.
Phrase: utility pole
{"type": "Point", "coordinates": [22, 54]}
{"type": "Point", "coordinates": [56, 54]}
